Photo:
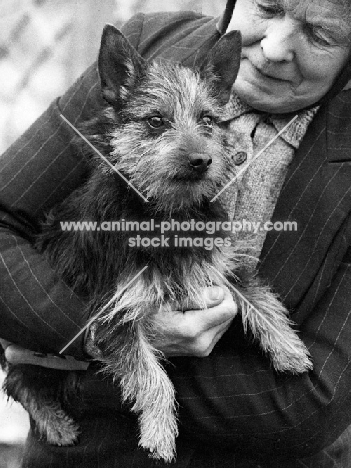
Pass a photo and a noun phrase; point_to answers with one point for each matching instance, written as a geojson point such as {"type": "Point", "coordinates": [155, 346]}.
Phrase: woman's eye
{"type": "Point", "coordinates": [269, 8]}
{"type": "Point", "coordinates": [317, 37]}
{"type": "Point", "coordinates": [156, 121]}
{"type": "Point", "coordinates": [320, 40]}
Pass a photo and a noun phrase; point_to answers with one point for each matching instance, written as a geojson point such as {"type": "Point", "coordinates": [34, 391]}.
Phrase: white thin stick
{"type": "Point", "coordinates": [103, 158]}
{"type": "Point", "coordinates": [102, 310]}
{"type": "Point", "coordinates": [254, 159]}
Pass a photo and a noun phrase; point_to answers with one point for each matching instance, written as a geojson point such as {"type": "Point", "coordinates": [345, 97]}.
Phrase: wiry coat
{"type": "Point", "coordinates": [102, 266]}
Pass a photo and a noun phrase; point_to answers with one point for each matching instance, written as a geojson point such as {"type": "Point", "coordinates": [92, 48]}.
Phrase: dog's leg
{"type": "Point", "coordinates": [268, 321]}
{"type": "Point", "coordinates": [50, 419]}
{"type": "Point", "coordinates": [144, 384]}
{"type": "Point", "coordinates": [153, 395]}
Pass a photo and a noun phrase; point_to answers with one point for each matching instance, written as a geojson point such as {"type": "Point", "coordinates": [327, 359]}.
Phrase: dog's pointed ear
{"type": "Point", "coordinates": [120, 66]}
{"type": "Point", "coordinates": [222, 63]}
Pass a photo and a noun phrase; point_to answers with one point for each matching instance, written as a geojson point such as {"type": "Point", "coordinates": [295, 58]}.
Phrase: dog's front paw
{"type": "Point", "coordinates": [291, 356]}
{"type": "Point", "coordinates": [63, 431]}
{"type": "Point", "coordinates": [268, 320]}
{"type": "Point", "coordinates": [53, 424]}
{"type": "Point", "coordinates": [159, 439]}
{"type": "Point", "coordinates": [157, 418]}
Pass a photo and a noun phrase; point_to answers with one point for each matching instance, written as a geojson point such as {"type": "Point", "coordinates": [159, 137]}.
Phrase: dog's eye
{"type": "Point", "coordinates": [156, 121]}
{"type": "Point", "coordinates": [207, 120]}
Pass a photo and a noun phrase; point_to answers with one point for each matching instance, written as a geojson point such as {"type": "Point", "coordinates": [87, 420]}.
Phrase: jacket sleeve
{"type": "Point", "coordinates": [235, 400]}
{"type": "Point", "coordinates": [37, 310]}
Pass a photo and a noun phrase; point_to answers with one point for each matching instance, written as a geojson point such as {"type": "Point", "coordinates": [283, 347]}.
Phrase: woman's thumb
{"type": "Point", "coordinates": [213, 295]}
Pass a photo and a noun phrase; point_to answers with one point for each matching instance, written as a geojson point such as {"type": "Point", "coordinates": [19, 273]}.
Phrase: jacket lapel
{"type": "Point", "coordinates": [317, 196]}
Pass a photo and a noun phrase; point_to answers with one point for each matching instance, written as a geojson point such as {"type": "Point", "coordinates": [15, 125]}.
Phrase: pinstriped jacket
{"type": "Point", "coordinates": [231, 399]}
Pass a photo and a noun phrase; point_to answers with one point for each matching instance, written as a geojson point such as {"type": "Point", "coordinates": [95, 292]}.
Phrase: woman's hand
{"type": "Point", "coordinates": [15, 354]}
{"type": "Point", "coordinates": [196, 332]}
{"type": "Point", "coordinates": [189, 333]}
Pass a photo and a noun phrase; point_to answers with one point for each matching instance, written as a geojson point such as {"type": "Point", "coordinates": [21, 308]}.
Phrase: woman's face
{"type": "Point", "coordinates": [292, 51]}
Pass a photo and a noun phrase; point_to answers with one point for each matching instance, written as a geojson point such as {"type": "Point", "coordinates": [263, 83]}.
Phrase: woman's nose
{"type": "Point", "coordinates": [279, 42]}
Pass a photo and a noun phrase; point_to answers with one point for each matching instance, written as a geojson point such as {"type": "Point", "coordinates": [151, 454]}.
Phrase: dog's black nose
{"type": "Point", "coordinates": [199, 162]}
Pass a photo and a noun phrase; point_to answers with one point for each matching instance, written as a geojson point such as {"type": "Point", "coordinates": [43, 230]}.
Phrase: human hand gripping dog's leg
{"type": "Point", "coordinates": [196, 332]}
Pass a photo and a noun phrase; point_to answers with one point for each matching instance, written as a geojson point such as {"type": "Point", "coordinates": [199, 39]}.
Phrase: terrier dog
{"type": "Point", "coordinates": [162, 130]}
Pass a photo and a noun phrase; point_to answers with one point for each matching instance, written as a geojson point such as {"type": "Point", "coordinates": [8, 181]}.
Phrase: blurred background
{"type": "Point", "coordinates": [44, 46]}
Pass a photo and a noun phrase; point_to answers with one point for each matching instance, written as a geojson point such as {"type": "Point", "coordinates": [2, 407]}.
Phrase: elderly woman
{"type": "Point", "coordinates": [234, 409]}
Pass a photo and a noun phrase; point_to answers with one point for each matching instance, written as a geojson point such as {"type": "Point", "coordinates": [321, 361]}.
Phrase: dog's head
{"type": "Point", "coordinates": [121, 67]}
{"type": "Point", "coordinates": [168, 137]}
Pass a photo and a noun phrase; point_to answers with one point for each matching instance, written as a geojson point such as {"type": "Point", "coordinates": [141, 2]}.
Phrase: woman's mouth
{"type": "Point", "coordinates": [267, 73]}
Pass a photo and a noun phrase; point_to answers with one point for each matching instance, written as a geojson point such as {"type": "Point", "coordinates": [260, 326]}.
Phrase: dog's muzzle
{"type": "Point", "coordinates": [199, 162]}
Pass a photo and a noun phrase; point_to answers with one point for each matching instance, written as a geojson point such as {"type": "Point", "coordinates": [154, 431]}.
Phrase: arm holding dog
{"type": "Point", "coordinates": [189, 333]}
